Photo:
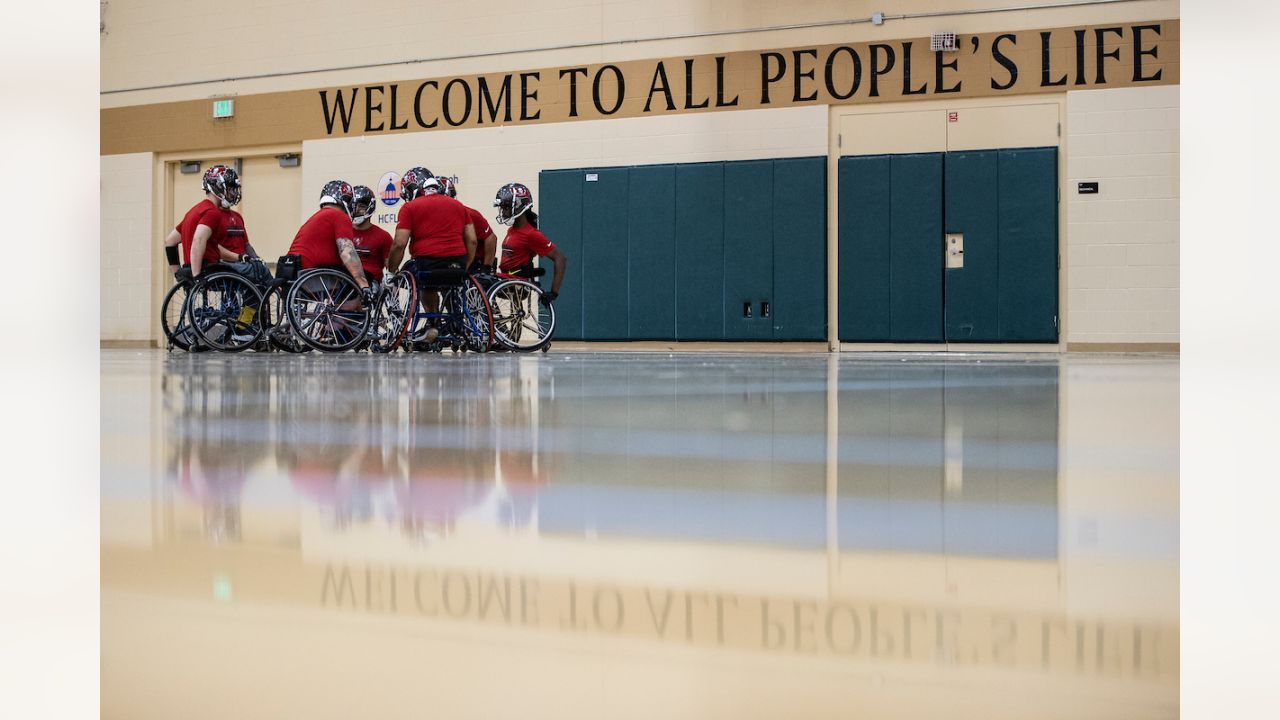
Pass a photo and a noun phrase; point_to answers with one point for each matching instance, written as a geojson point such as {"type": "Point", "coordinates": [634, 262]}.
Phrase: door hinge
{"type": "Point", "coordinates": [1055, 322]}
{"type": "Point", "coordinates": [1059, 261]}
{"type": "Point", "coordinates": [839, 140]}
{"type": "Point", "coordinates": [1059, 129]}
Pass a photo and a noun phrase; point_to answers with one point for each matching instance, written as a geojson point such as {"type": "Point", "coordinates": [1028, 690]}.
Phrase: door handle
{"type": "Point", "coordinates": [746, 309]}
{"type": "Point", "coordinates": [764, 308]}
{"type": "Point", "coordinates": [954, 250]}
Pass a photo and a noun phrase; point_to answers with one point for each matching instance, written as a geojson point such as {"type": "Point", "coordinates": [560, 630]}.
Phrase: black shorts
{"type": "Point", "coordinates": [430, 262]}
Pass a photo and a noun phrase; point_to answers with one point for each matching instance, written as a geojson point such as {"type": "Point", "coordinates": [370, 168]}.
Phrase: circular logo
{"type": "Point", "coordinates": [389, 189]}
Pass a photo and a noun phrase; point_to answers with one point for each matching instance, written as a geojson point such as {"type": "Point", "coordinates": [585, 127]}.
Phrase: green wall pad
{"type": "Point", "coordinates": [651, 253]}
{"type": "Point", "coordinates": [1028, 288]}
{"type": "Point", "coordinates": [560, 217]}
{"type": "Point", "coordinates": [890, 248]}
{"type": "Point", "coordinates": [972, 209]}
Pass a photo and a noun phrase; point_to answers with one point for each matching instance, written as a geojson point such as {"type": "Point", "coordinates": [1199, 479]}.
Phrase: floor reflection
{"type": "Point", "coordinates": [982, 525]}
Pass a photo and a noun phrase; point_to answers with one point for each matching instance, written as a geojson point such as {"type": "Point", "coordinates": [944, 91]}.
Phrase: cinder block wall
{"type": "Point", "coordinates": [128, 247]}
{"type": "Point", "coordinates": [1122, 244]}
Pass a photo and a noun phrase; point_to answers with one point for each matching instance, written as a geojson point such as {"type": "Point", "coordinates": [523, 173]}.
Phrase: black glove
{"type": "Point", "coordinates": [547, 298]}
{"type": "Point", "coordinates": [183, 274]}
{"type": "Point", "coordinates": [367, 296]}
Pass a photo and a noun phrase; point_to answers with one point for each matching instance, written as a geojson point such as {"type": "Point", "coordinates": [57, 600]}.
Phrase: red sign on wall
{"type": "Point", "coordinates": [953, 116]}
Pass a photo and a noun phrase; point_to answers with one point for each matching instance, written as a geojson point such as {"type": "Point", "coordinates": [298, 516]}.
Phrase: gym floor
{"type": "Point", "coordinates": [608, 534]}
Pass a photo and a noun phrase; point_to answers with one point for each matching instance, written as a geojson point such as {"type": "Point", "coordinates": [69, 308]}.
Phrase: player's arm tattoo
{"type": "Point", "coordinates": [350, 258]}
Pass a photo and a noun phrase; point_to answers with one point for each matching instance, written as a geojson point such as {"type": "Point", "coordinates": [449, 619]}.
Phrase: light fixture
{"type": "Point", "coordinates": [289, 160]}
{"type": "Point", "coordinates": [189, 167]}
{"type": "Point", "coordinates": [877, 18]}
{"type": "Point", "coordinates": [224, 108]}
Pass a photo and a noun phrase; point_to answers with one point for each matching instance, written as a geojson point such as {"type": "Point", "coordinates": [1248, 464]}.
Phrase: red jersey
{"type": "Point", "coordinates": [203, 213]}
{"type": "Point", "coordinates": [237, 239]}
{"type": "Point", "coordinates": [435, 225]}
{"type": "Point", "coordinates": [521, 245]}
{"type": "Point", "coordinates": [317, 239]}
{"type": "Point", "coordinates": [373, 244]}
{"type": "Point", "coordinates": [483, 231]}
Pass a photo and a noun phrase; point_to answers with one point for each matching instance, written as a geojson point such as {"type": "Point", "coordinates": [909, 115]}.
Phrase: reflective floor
{"type": "Point", "coordinates": [612, 535]}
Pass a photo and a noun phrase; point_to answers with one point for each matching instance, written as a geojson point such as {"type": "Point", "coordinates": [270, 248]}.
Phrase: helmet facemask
{"type": "Point", "coordinates": [513, 200]}
{"type": "Point", "coordinates": [364, 204]}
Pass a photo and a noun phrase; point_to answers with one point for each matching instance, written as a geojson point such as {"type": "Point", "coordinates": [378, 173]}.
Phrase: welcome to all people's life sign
{"type": "Point", "coordinates": [989, 64]}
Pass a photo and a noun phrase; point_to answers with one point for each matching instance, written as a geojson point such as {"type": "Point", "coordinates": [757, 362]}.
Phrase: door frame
{"type": "Point", "coordinates": [162, 214]}
{"type": "Point", "coordinates": [836, 114]}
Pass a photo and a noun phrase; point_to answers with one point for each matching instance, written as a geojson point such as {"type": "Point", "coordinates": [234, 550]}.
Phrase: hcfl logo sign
{"type": "Point", "coordinates": [389, 189]}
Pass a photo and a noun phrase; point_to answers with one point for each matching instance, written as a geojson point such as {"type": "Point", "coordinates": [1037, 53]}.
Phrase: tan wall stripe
{"type": "Point", "coordinates": [1021, 62]}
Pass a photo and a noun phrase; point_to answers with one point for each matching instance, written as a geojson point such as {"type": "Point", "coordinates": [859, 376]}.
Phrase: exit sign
{"type": "Point", "coordinates": [224, 108]}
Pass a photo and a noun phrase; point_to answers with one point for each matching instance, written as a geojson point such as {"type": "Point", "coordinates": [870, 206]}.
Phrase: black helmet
{"type": "Point", "coordinates": [448, 186]}
{"type": "Point", "coordinates": [224, 183]}
{"type": "Point", "coordinates": [414, 182]}
{"type": "Point", "coordinates": [339, 192]}
{"type": "Point", "coordinates": [512, 201]}
{"type": "Point", "coordinates": [364, 204]}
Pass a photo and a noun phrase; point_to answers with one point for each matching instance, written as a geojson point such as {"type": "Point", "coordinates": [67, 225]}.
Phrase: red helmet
{"type": "Point", "coordinates": [224, 183]}
{"type": "Point", "coordinates": [448, 186]}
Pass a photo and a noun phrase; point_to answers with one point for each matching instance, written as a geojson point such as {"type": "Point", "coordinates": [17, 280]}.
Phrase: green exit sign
{"type": "Point", "coordinates": [224, 108]}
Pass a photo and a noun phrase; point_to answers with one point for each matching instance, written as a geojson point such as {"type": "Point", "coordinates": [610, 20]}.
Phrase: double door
{"type": "Point", "coordinates": [955, 246]}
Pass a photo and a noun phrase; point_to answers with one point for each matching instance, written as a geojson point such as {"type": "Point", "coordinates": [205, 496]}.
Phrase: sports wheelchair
{"type": "Point", "coordinates": [522, 322]}
{"type": "Point", "coordinates": [224, 309]}
{"type": "Point", "coordinates": [462, 321]}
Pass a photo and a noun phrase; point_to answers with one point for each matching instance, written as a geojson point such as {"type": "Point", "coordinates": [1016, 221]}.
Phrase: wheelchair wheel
{"type": "Point", "coordinates": [520, 322]}
{"type": "Point", "coordinates": [477, 316]}
{"type": "Point", "coordinates": [324, 310]}
{"type": "Point", "coordinates": [394, 313]}
{"type": "Point", "coordinates": [224, 311]}
{"type": "Point", "coordinates": [173, 319]}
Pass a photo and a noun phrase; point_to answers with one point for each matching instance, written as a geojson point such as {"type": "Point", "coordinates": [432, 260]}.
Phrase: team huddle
{"type": "Point", "coordinates": [441, 235]}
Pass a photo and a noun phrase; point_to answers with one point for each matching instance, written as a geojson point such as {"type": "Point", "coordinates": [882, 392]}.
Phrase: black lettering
{"type": "Point", "coordinates": [1100, 37]}
{"type": "Point", "coordinates": [526, 96]}
{"type": "Point", "coordinates": [906, 73]}
{"type": "Point", "coordinates": [1045, 61]}
{"type": "Point", "coordinates": [341, 584]}
{"type": "Point", "coordinates": [940, 67]}
{"type": "Point", "coordinates": [340, 110]}
{"type": "Point", "coordinates": [618, 611]}
{"type": "Point", "coordinates": [720, 101]}
{"type": "Point", "coordinates": [1080, 58]}
{"type": "Point", "coordinates": [595, 90]}
{"type": "Point", "coordinates": [573, 88]}
{"type": "Point", "coordinates": [766, 79]}
{"type": "Point", "coordinates": [830, 76]}
{"type": "Point", "coordinates": [488, 102]}
{"type": "Point", "coordinates": [876, 70]}
{"type": "Point", "coordinates": [394, 126]}
{"type": "Point", "coordinates": [455, 579]}
{"type": "Point", "coordinates": [466, 101]}
{"type": "Point", "coordinates": [417, 106]}
{"type": "Point", "coordinates": [689, 104]}
{"type": "Point", "coordinates": [1138, 53]}
{"type": "Point", "coordinates": [660, 80]}
{"type": "Point", "coordinates": [490, 592]}
{"type": "Point", "coordinates": [1004, 61]}
{"type": "Point", "coordinates": [798, 75]}
{"type": "Point", "coordinates": [370, 107]}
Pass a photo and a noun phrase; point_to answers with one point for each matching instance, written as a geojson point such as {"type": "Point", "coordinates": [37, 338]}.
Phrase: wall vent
{"type": "Point", "coordinates": [943, 42]}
